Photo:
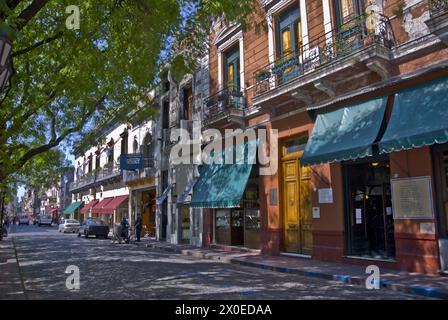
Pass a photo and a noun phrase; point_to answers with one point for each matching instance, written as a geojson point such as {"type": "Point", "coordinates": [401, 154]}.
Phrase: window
{"type": "Point", "coordinates": [188, 104]}
{"type": "Point", "coordinates": [110, 151]}
{"type": "Point", "coordinates": [135, 145]}
{"type": "Point", "coordinates": [147, 149]}
{"type": "Point", "coordinates": [90, 162]}
{"type": "Point", "coordinates": [289, 33]}
{"type": "Point", "coordinates": [166, 115]}
{"type": "Point", "coordinates": [232, 69]}
{"type": "Point", "coordinates": [124, 142]}
{"type": "Point", "coordinates": [97, 159]}
{"type": "Point", "coordinates": [346, 10]}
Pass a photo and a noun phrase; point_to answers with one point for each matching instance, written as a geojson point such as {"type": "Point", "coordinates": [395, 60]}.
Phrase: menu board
{"type": "Point", "coordinates": [412, 198]}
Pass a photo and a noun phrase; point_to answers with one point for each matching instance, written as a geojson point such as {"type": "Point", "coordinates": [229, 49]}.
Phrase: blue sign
{"type": "Point", "coordinates": [131, 161]}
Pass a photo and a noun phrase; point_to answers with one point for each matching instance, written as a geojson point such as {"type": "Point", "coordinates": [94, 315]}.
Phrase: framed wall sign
{"type": "Point", "coordinates": [412, 198]}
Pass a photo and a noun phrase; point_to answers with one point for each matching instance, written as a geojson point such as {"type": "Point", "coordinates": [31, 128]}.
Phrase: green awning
{"type": "Point", "coordinates": [419, 118]}
{"type": "Point", "coordinates": [72, 207]}
{"type": "Point", "coordinates": [223, 185]}
{"type": "Point", "coordinates": [345, 134]}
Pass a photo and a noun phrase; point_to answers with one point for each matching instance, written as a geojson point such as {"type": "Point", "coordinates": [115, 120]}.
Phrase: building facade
{"type": "Point", "coordinates": [98, 184]}
{"type": "Point", "coordinates": [176, 221]}
{"type": "Point", "coordinates": [355, 91]}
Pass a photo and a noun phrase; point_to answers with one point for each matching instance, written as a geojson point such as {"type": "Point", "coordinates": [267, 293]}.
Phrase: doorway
{"type": "Point", "coordinates": [296, 198]}
{"type": "Point", "coordinates": [370, 222]}
{"type": "Point", "coordinates": [185, 211]}
{"type": "Point", "coordinates": [440, 156]}
{"type": "Point", "coordinates": [148, 212]}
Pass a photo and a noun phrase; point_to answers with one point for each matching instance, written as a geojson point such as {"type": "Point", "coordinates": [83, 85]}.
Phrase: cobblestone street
{"type": "Point", "coordinates": [112, 271]}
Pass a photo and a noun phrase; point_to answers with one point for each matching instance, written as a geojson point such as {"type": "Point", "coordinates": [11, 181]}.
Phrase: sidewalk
{"type": "Point", "coordinates": [419, 284]}
{"type": "Point", "coordinates": [11, 287]}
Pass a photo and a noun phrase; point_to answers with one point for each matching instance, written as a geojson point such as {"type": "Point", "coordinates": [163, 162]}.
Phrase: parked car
{"type": "Point", "coordinates": [23, 219]}
{"type": "Point", "coordinates": [95, 228]}
{"type": "Point", "coordinates": [69, 225]}
{"type": "Point", "coordinates": [44, 220]}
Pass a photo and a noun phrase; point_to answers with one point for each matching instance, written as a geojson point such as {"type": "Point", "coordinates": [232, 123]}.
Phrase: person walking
{"type": "Point", "coordinates": [138, 228]}
{"type": "Point", "coordinates": [124, 225]}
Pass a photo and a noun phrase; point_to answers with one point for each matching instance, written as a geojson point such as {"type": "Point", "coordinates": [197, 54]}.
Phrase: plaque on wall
{"type": "Point", "coordinates": [412, 198]}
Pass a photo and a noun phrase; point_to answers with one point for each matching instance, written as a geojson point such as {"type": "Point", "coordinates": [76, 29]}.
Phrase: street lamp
{"type": "Point", "coordinates": [5, 54]}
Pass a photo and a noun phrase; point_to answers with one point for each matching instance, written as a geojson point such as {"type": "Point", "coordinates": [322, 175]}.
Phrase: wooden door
{"type": "Point", "coordinates": [297, 206]}
{"type": "Point", "coordinates": [291, 206]}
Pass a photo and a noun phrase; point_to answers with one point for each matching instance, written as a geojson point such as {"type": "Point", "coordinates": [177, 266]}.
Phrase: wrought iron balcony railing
{"type": "Point", "coordinates": [83, 181]}
{"type": "Point", "coordinates": [110, 170]}
{"type": "Point", "coordinates": [437, 7]}
{"type": "Point", "coordinates": [221, 104]}
{"type": "Point", "coordinates": [349, 38]}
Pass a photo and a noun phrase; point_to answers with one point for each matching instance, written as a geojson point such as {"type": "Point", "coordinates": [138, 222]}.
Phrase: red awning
{"type": "Point", "coordinates": [97, 208]}
{"type": "Point", "coordinates": [87, 207]}
{"type": "Point", "coordinates": [114, 204]}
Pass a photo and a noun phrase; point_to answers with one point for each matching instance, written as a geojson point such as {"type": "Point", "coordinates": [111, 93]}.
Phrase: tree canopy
{"type": "Point", "coordinates": [66, 82]}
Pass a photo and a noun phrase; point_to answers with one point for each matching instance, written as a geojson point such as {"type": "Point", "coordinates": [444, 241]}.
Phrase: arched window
{"type": "Point", "coordinates": [124, 142]}
{"type": "Point", "coordinates": [135, 145]}
{"type": "Point", "coordinates": [84, 164]}
{"type": "Point", "coordinates": [147, 146]}
{"type": "Point", "coordinates": [110, 151]}
{"type": "Point", "coordinates": [90, 162]}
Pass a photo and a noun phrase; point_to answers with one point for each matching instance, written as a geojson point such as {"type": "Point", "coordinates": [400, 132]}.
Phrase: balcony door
{"type": "Point", "coordinates": [347, 10]}
{"type": "Point", "coordinates": [289, 44]}
{"type": "Point", "coordinates": [232, 69]}
{"type": "Point", "coordinates": [350, 31]}
{"type": "Point", "coordinates": [289, 34]}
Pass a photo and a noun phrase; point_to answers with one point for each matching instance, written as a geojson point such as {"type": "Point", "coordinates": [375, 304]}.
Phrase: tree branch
{"type": "Point", "coordinates": [30, 12]}
{"type": "Point", "coordinates": [56, 141]}
{"type": "Point", "coordinates": [12, 4]}
{"type": "Point", "coordinates": [38, 44]}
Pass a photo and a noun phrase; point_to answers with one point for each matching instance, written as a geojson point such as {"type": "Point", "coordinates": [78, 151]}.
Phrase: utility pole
{"type": "Point", "coordinates": [3, 196]}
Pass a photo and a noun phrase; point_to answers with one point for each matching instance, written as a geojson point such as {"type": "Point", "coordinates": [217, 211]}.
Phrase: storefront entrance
{"type": "Point", "coordinates": [370, 223]}
{"type": "Point", "coordinates": [148, 212]}
{"type": "Point", "coordinates": [440, 154]}
{"type": "Point", "coordinates": [296, 203]}
{"type": "Point", "coordinates": [185, 223]}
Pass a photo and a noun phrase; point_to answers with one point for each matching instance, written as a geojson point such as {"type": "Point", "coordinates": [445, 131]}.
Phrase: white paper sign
{"type": "Point", "coordinates": [316, 213]}
{"type": "Point", "coordinates": [428, 227]}
{"type": "Point", "coordinates": [358, 216]}
{"type": "Point", "coordinates": [326, 195]}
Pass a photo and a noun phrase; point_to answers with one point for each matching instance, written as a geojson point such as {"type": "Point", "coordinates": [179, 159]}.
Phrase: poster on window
{"type": "Point", "coordinates": [412, 198]}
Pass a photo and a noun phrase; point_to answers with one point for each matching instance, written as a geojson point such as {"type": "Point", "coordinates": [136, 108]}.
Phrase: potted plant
{"type": "Point", "coordinates": [263, 75]}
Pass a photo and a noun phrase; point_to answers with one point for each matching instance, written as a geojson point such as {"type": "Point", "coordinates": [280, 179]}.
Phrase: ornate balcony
{"type": "Point", "coordinates": [438, 21]}
{"type": "Point", "coordinates": [437, 7]}
{"type": "Point", "coordinates": [83, 182]}
{"type": "Point", "coordinates": [224, 107]}
{"type": "Point", "coordinates": [109, 171]}
{"type": "Point", "coordinates": [327, 64]}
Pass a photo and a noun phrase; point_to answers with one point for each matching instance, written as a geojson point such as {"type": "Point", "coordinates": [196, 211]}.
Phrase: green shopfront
{"type": "Point", "coordinates": [380, 177]}
{"type": "Point", "coordinates": [228, 195]}
{"type": "Point", "coordinates": [73, 210]}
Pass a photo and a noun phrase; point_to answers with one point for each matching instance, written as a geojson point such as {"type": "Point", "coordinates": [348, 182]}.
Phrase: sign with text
{"type": "Point", "coordinates": [131, 161]}
{"type": "Point", "coordinates": [412, 198]}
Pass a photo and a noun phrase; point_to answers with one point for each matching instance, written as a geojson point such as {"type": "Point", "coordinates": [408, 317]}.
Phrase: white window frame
{"type": "Point", "coordinates": [237, 38]}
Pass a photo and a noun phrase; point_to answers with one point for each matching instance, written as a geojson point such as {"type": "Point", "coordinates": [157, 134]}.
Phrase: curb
{"type": "Point", "coordinates": [429, 292]}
